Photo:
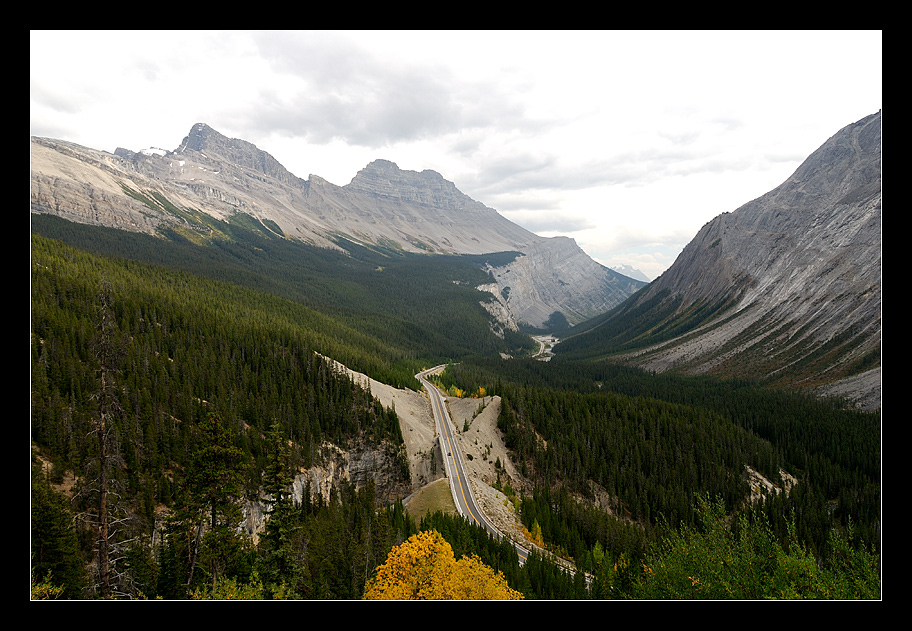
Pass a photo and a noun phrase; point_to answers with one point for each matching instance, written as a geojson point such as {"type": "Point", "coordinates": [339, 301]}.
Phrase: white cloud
{"type": "Point", "coordinates": [629, 141]}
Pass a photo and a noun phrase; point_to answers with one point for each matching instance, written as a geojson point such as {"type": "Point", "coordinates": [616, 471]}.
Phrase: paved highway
{"type": "Point", "coordinates": [455, 468]}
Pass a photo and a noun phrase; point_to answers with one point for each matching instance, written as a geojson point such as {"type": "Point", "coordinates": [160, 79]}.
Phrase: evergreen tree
{"type": "Point", "coordinates": [279, 558]}
{"type": "Point", "coordinates": [744, 561]}
{"type": "Point", "coordinates": [214, 484]}
{"type": "Point", "coordinates": [56, 559]}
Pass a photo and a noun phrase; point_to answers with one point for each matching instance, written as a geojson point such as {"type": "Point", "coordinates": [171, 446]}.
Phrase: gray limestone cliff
{"type": "Point", "coordinates": [800, 269]}
{"type": "Point", "coordinates": [555, 275]}
{"type": "Point", "coordinates": [235, 153]}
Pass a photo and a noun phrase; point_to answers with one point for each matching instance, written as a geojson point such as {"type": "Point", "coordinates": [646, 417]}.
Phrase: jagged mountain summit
{"type": "Point", "coordinates": [786, 288]}
{"type": "Point", "coordinates": [383, 206]}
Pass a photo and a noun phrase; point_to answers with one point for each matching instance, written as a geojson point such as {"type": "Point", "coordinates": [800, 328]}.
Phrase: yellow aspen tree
{"type": "Point", "coordinates": [424, 568]}
{"type": "Point", "coordinates": [537, 537]}
{"type": "Point", "coordinates": [477, 581]}
{"type": "Point", "coordinates": [413, 570]}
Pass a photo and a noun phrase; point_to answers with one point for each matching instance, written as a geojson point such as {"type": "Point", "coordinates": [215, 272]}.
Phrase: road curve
{"type": "Point", "coordinates": [453, 462]}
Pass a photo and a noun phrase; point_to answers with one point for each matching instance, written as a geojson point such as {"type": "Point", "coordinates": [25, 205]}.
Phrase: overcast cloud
{"type": "Point", "coordinates": [626, 141]}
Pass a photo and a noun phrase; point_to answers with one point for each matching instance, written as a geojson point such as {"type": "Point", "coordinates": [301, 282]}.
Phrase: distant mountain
{"type": "Point", "coordinates": [157, 191]}
{"type": "Point", "coordinates": [786, 288]}
{"type": "Point", "coordinates": [555, 276]}
{"type": "Point", "coordinates": [631, 272]}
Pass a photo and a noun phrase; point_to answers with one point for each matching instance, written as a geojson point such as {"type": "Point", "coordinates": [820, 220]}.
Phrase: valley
{"type": "Point", "coordinates": [250, 399]}
{"type": "Point", "coordinates": [252, 382]}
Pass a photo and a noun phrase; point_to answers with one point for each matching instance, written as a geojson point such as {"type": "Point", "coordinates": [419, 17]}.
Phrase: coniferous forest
{"type": "Point", "coordinates": [173, 380]}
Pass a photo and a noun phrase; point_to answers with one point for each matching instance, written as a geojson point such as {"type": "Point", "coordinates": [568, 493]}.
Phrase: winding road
{"type": "Point", "coordinates": [454, 466]}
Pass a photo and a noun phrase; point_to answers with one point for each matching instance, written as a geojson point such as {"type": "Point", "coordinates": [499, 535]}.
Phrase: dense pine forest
{"type": "Point", "coordinates": [671, 451]}
{"type": "Point", "coordinates": [180, 379]}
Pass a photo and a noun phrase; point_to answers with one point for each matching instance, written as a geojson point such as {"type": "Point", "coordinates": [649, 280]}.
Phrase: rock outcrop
{"type": "Point", "coordinates": [358, 466]}
{"type": "Point", "coordinates": [416, 212]}
{"type": "Point", "coordinates": [237, 155]}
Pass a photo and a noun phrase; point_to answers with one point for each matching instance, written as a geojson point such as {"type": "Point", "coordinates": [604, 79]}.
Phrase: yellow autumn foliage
{"type": "Point", "coordinates": [535, 535]}
{"type": "Point", "coordinates": [453, 391]}
{"type": "Point", "coordinates": [424, 568]}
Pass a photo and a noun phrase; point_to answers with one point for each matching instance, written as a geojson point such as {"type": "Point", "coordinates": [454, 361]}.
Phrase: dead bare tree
{"type": "Point", "coordinates": [108, 351]}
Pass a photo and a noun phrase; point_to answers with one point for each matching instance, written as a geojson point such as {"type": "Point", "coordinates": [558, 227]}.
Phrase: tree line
{"type": "Point", "coordinates": [404, 308]}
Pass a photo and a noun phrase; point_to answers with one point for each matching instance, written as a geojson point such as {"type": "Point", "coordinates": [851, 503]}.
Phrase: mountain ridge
{"type": "Point", "coordinates": [383, 206]}
{"type": "Point", "coordinates": [786, 288]}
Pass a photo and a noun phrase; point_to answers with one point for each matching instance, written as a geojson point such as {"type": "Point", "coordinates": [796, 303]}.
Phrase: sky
{"type": "Point", "coordinates": [627, 141]}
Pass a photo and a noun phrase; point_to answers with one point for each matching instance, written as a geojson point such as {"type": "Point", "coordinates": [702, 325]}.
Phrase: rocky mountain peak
{"type": "Point", "coordinates": [555, 275]}
{"type": "Point", "coordinates": [213, 146]}
{"type": "Point", "coordinates": [823, 216]}
{"type": "Point", "coordinates": [201, 137]}
{"type": "Point", "coordinates": [383, 178]}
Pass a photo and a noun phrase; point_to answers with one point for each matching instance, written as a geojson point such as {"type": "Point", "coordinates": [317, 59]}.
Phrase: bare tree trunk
{"type": "Point", "coordinates": [104, 574]}
{"type": "Point", "coordinates": [107, 406]}
{"type": "Point", "coordinates": [194, 552]}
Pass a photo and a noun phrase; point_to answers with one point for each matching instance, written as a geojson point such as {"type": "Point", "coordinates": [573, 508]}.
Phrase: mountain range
{"type": "Point", "coordinates": [223, 383]}
{"type": "Point", "coordinates": [786, 288]}
{"type": "Point", "coordinates": [382, 207]}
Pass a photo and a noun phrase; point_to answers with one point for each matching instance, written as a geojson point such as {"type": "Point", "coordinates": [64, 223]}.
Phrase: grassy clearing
{"type": "Point", "coordinates": [433, 497]}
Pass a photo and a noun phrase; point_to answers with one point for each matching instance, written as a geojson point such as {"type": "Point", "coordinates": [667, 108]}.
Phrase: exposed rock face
{"type": "Point", "coordinates": [84, 185]}
{"type": "Point", "coordinates": [383, 179]}
{"type": "Point", "coordinates": [383, 205]}
{"type": "Point", "coordinates": [802, 267]}
{"type": "Point", "coordinates": [555, 275]}
{"type": "Point", "coordinates": [418, 212]}
{"type": "Point", "coordinates": [357, 466]}
{"type": "Point", "coordinates": [240, 154]}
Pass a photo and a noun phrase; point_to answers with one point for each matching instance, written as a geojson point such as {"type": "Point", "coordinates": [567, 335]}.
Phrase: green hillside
{"type": "Point", "coordinates": [214, 392]}
{"type": "Point", "coordinates": [418, 309]}
{"type": "Point", "coordinates": [219, 351]}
